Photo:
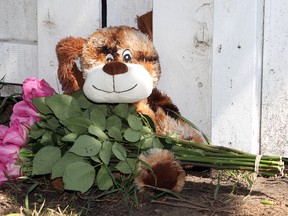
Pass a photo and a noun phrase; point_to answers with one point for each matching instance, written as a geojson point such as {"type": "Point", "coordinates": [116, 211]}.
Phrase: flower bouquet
{"type": "Point", "coordinates": [85, 143]}
{"type": "Point", "coordinates": [15, 137]}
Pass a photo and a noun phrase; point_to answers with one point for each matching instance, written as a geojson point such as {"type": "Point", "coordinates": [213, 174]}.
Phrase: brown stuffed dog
{"type": "Point", "coordinates": [121, 65]}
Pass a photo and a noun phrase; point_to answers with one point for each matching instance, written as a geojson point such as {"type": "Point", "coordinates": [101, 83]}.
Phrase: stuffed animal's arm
{"type": "Point", "coordinates": [159, 106]}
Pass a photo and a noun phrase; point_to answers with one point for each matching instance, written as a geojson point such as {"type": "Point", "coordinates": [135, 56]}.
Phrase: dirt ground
{"type": "Point", "coordinates": [269, 196]}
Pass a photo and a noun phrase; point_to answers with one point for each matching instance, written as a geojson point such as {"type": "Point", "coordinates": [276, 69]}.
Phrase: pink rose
{"type": "Point", "coordinates": [3, 170]}
{"type": "Point", "coordinates": [3, 130]}
{"type": "Point", "coordinates": [11, 170]}
{"type": "Point", "coordinates": [8, 153]}
{"type": "Point", "coordinates": [16, 134]}
{"type": "Point", "coordinates": [33, 88]}
{"type": "Point", "coordinates": [25, 114]}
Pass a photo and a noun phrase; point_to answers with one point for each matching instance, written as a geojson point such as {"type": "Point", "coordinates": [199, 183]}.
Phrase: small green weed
{"type": "Point", "coordinates": [238, 178]}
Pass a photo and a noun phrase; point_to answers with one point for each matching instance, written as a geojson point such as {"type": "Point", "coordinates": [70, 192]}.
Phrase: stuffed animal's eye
{"type": "Point", "coordinates": [127, 56]}
{"type": "Point", "coordinates": [109, 57]}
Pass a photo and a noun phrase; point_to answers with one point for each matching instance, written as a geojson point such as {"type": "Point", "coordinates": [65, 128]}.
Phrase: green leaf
{"type": "Point", "coordinates": [44, 160]}
{"type": "Point", "coordinates": [79, 176]}
{"type": "Point", "coordinates": [100, 107]}
{"type": "Point", "coordinates": [63, 106]}
{"type": "Point", "coordinates": [119, 151]}
{"type": "Point", "coordinates": [86, 114]}
{"type": "Point", "coordinates": [146, 143]}
{"type": "Point", "coordinates": [121, 110]}
{"type": "Point", "coordinates": [127, 166]}
{"type": "Point", "coordinates": [131, 135]}
{"type": "Point", "coordinates": [115, 133]}
{"type": "Point", "coordinates": [132, 109]}
{"type": "Point", "coordinates": [105, 152]}
{"type": "Point", "coordinates": [56, 138]}
{"type": "Point", "coordinates": [96, 159]}
{"type": "Point", "coordinates": [59, 167]}
{"type": "Point", "coordinates": [146, 130]}
{"type": "Point", "coordinates": [53, 123]}
{"type": "Point", "coordinates": [36, 132]}
{"type": "Point", "coordinates": [77, 125]}
{"type": "Point", "coordinates": [76, 94]}
{"type": "Point", "coordinates": [71, 137]}
{"type": "Point", "coordinates": [41, 106]}
{"type": "Point", "coordinates": [46, 138]}
{"type": "Point", "coordinates": [86, 145]}
{"type": "Point", "coordinates": [94, 130]}
{"type": "Point", "coordinates": [113, 121]}
{"type": "Point", "coordinates": [157, 143]}
{"type": "Point", "coordinates": [98, 118]}
{"type": "Point", "coordinates": [82, 99]}
{"type": "Point", "coordinates": [135, 122]}
{"type": "Point", "coordinates": [103, 179]}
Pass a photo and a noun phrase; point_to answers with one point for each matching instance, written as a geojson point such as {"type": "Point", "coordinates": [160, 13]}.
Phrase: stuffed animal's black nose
{"type": "Point", "coordinates": [114, 68]}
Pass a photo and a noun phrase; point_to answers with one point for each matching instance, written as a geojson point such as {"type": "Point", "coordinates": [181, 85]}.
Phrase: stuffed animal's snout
{"type": "Point", "coordinates": [117, 82]}
{"type": "Point", "coordinates": [114, 68]}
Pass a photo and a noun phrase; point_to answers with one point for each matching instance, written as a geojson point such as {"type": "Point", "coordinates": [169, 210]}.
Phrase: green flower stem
{"type": "Point", "coordinates": [220, 157]}
{"type": "Point", "coordinates": [230, 167]}
{"type": "Point", "coordinates": [235, 158]}
{"type": "Point", "coordinates": [273, 170]}
{"type": "Point", "coordinates": [214, 160]}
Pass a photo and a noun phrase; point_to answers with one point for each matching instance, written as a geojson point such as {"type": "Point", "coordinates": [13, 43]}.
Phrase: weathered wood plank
{"type": "Point", "coordinates": [124, 12]}
{"type": "Point", "coordinates": [183, 38]}
{"type": "Point", "coordinates": [236, 74]}
{"type": "Point", "coordinates": [60, 19]}
{"type": "Point", "coordinates": [17, 61]}
{"type": "Point", "coordinates": [275, 79]}
{"type": "Point", "coordinates": [18, 20]}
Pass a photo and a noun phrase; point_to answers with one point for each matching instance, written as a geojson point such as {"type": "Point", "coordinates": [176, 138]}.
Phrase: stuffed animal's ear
{"type": "Point", "coordinates": [70, 77]}
{"type": "Point", "coordinates": [144, 24]}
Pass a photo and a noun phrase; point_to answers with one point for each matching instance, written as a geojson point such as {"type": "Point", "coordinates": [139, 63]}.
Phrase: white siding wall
{"type": "Point", "coordinates": [18, 40]}
{"type": "Point", "coordinates": [274, 134]}
{"type": "Point", "coordinates": [236, 75]}
{"type": "Point", "coordinates": [183, 39]}
{"type": "Point", "coordinates": [125, 12]}
{"type": "Point", "coordinates": [225, 71]}
{"type": "Point", "coordinates": [79, 19]}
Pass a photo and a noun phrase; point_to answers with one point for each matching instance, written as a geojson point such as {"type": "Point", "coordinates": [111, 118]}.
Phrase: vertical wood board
{"type": "Point", "coordinates": [275, 80]}
{"type": "Point", "coordinates": [125, 12]}
{"type": "Point", "coordinates": [60, 19]}
{"type": "Point", "coordinates": [236, 74]}
{"type": "Point", "coordinates": [17, 61]}
{"type": "Point", "coordinates": [18, 20]}
{"type": "Point", "coordinates": [183, 37]}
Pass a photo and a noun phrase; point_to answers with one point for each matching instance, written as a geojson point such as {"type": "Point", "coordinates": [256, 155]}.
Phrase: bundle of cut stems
{"type": "Point", "coordinates": [219, 157]}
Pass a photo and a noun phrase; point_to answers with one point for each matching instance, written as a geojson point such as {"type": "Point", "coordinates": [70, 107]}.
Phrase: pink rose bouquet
{"type": "Point", "coordinates": [13, 138]}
